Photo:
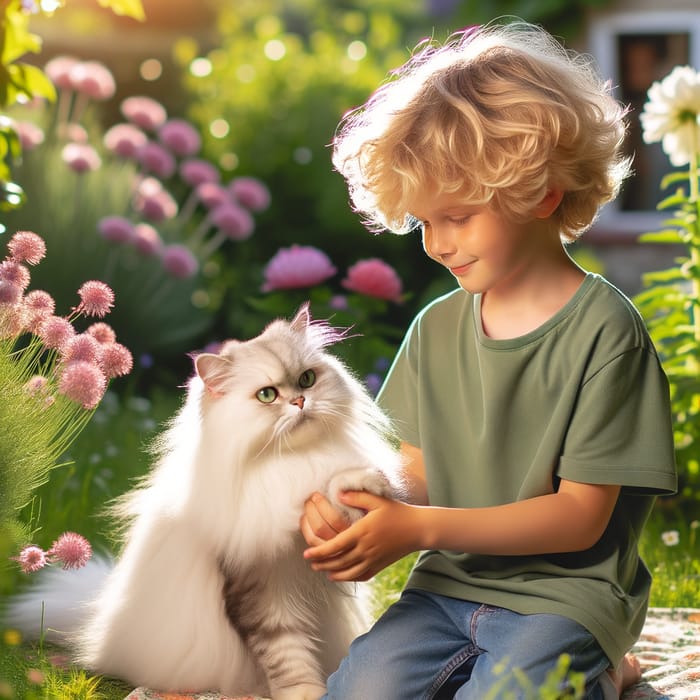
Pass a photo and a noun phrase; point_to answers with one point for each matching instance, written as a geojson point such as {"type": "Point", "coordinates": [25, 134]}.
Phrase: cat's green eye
{"type": "Point", "coordinates": [267, 394]}
{"type": "Point", "coordinates": [307, 379]}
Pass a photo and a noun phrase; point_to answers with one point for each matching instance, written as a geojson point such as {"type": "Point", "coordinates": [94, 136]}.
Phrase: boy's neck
{"type": "Point", "coordinates": [531, 299]}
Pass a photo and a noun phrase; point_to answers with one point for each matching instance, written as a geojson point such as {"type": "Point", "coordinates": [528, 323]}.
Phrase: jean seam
{"type": "Point", "coordinates": [447, 671]}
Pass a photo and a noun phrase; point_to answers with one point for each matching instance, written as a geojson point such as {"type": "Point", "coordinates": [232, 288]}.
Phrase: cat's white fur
{"type": "Point", "coordinates": [226, 495]}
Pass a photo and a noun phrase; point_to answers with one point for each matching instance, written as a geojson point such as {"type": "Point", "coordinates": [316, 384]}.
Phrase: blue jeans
{"type": "Point", "coordinates": [431, 647]}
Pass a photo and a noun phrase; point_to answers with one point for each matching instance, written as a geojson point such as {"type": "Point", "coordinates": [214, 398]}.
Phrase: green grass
{"type": "Point", "coordinates": [112, 452]}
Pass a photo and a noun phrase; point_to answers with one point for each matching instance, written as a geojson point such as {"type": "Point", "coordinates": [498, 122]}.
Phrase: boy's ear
{"type": "Point", "coordinates": [548, 203]}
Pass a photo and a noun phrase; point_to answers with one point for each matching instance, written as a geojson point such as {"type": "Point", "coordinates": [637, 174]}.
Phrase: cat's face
{"type": "Point", "coordinates": [280, 390]}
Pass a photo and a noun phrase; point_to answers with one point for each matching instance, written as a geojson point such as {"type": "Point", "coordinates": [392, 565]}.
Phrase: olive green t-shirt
{"type": "Point", "coordinates": [582, 398]}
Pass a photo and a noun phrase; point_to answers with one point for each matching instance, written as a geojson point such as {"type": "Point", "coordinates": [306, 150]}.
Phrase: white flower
{"type": "Point", "coordinates": [672, 114]}
{"type": "Point", "coordinates": [670, 538]}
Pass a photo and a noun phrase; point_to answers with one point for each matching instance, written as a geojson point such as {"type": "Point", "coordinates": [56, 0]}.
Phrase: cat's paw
{"type": "Point", "coordinates": [304, 691]}
{"type": "Point", "coordinates": [357, 479]}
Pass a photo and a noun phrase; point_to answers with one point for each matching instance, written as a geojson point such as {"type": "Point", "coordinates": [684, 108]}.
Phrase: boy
{"type": "Point", "coordinates": [532, 408]}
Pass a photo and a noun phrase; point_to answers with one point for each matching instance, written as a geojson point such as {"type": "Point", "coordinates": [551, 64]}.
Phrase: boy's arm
{"type": "Point", "coordinates": [573, 519]}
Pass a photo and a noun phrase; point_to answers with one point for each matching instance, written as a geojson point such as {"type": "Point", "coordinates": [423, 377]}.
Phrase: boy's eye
{"type": "Point", "coordinates": [307, 379]}
{"type": "Point", "coordinates": [267, 394]}
{"type": "Point", "coordinates": [460, 221]}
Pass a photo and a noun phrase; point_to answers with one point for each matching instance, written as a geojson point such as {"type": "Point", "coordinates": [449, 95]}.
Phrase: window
{"type": "Point", "coordinates": [634, 50]}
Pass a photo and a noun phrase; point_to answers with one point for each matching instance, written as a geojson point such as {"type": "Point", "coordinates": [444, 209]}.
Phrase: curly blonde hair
{"type": "Point", "coordinates": [501, 114]}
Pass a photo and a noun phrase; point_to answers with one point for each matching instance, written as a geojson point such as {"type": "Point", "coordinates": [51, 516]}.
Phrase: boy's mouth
{"type": "Point", "coordinates": [461, 269]}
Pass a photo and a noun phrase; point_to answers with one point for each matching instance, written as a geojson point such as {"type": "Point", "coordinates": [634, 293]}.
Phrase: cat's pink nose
{"type": "Point", "coordinates": [298, 401]}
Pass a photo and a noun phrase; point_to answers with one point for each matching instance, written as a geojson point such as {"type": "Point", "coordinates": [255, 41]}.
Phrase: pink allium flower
{"type": "Point", "coordinates": [297, 266]}
{"type": "Point", "coordinates": [96, 298]}
{"type": "Point", "coordinates": [374, 278]}
{"type": "Point", "coordinates": [37, 385]}
{"type": "Point", "coordinates": [26, 246]}
{"type": "Point", "coordinates": [180, 137]}
{"type": "Point", "coordinates": [39, 305]}
{"type": "Point", "coordinates": [147, 240]}
{"type": "Point", "coordinates": [15, 273]}
{"type": "Point", "coordinates": [83, 382]}
{"type": "Point", "coordinates": [71, 550]}
{"type": "Point", "coordinates": [156, 159]}
{"type": "Point", "coordinates": [55, 332]}
{"type": "Point", "coordinates": [156, 207]}
{"type": "Point", "coordinates": [13, 320]}
{"type": "Point", "coordinates": [10, 293]}
{"type": "Point", "coordinates": [102, 332]}
{"type": "Point", "coordinates": [144, 112]}
{"type": "Point", "coordinates": [196, 171]}
{"type": "Point", "coordinates": [250, 193]}
{"type": "Point", "coordinates": [93, 79]}
{"type": "Point", "coordinates": [32, 559]}
{"type": "Point", "coordinates": [234, 221]}
{"type": "Point", "coordinates": [116, 229]}
{"type": "Point", "coordinates": [124, 140]}
{"type": "Point", "coordinates": [58, 69]}
{"type": "Point", "coordinates": [30, 135]}
{"type": "Point", "coordinates": [179, 261]}
{"type": "Point", "coordinates": [81, 157]}
{"type": "Point", "coordinates": [212, 195]}
{"type": "Point", "coordinates": [116, 360]}
{"type": "Point", "coordinates": [83, 347]}
{"type": "Point", "coordinates": [72, 132]}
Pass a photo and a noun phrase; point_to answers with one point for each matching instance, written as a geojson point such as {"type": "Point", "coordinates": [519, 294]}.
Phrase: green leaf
{"type": "Point", "coordinates": [130, 8]}
{"type": "Point", "coordinates": [669, 235]}
{"type": "Point", "coordinates": [676, 199]}
{"type": "Point", "coordinates": [31, 81]}
{"type": "Point", "coordinates": [675, 176]}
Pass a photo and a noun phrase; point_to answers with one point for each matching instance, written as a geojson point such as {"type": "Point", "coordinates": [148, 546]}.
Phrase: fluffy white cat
{"type": "Point", "coordinates": [211, 591]}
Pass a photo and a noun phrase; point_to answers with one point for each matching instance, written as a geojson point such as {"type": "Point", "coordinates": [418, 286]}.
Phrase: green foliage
{"type": "Point", "coordinates": [670, 304]}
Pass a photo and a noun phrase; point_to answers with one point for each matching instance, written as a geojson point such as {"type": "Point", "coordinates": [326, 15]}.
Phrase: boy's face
{"type": "Point", "coordinates": [482, 249]}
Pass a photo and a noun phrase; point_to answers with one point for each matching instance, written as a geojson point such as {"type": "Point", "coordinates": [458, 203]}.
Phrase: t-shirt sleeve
{"type": "Point", "coordinates": [620, 431]}
{"type": "Point", "coordinates": [399, 395]}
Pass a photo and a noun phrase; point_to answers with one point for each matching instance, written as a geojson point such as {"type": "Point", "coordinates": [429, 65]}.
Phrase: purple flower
{"type": "Point", "coordinates": [93, 79]}
{"type": "Point", "coordinates": [83, 382]}
{"type": "Point", "coordinates": [116, 229]}
{"type": "Point", "coordinates": [195, 171]}
{"type": "Point", "coordinates": [10, 293]}
{"type": "Point", "coordinates": [156, 159]}
{"type": "Point", "coordinates": [180, 137]}
{"type": "Point", "coordinates": [125, 140]}
{"type": "Point", "coordinates": [374, 278]}
{"type": "Point", "coordinates": [232, 220]}
{"type": "Point", "coordinates": [250, 193]}
{"type": "Point", "coordinates": [81, 157]}
{"type": "Point", "coordinates": [71, 550]}
{"type": "Point", "coordinates": [58, 69]}
{"type": "Point", "coordinates": [297, 266]}
{"type": "Point", "coordinates": [153, 201]}
{"type": "Point", "coordinates": [144, 112]}
{"type": "Point", "coordinates": [179, 261]}
{"type": "Point", "coordinates": [212, 195]}
{"type": "Point", "coordinates": [147, 240]}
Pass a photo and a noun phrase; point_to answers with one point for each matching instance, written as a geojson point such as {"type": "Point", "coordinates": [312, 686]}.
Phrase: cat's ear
{"type": "Point", "coordinates": [214, 371]}
{"type": "Point", "coordinates": [302, 318]}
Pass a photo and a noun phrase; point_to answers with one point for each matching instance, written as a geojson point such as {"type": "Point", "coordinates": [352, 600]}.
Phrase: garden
{"type": "Point", "coordinates": [141, 225]}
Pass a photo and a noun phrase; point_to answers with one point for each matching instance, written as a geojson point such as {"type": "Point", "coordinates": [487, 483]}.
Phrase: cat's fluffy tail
{"type": "Point", "coordinates": [56, 604]}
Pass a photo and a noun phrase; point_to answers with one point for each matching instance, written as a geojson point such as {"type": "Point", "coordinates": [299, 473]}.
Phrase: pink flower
{"type": "Point", "coordinates": [116, 229]}
{"type": "Point", "coordinates": [179, 261]}
{"type": "Point", "coordinates": [212, 195]}
{"type": "Point", "coordinates": [58, 69]}
{"type": "Point", "coordinates": [30, 135]}
{"type": "Point", "coordinates": [124, 140]}
{"type": "Point", "coordinates": [71, 549]}
{"type": "Point", "coordinates": [116, 360]}
{"type": "Point", "coordinates": [37, 385]}
{"type": "Point", "coordinates": [13, 272]}
{"type": "Point", "coordinates": [196, 171]}
{"type": "Point", "coordinates": [102, 332]}
{"type": "Point", "coordinates": [232, 220]}
{"type": "Point", "coordinates": [82, 347]}
{"type": "Point", "coordinates": [81, 157]}
{"type": "Point", "coordinates": [297, 266]}
{"type": "Point", "coordinates": [96, 298]}
{"type": "Point", "coordinates": [10, 293]}
{"type": "Point", "coordinates": [12, 320]}
{"type": "Point", "coordinates": [93, 79]}
{"type": "Point", "coordinates": [374, 278]}
{"type": "Point", "coordinates": [250, 193]}
{"type": "Point", "coordinates": [180, 137]}
{"type": "Point", "coordinates": [156, 159]}
{"type": "Point", "coordinates": [55, 332]}
{"type": "Point", "coordinates": [31, 559]}
{"type": "Point", "coordinates": [144, 112]}
{"type": "Point", "coordinates": [83, 382]}
{"type": "Point", "coordinates": [154, 202]}
{"type": "Point", "coordinates": [72, 132]}
{"type": "Point", "coordinates": [147, 240]}
{"type": "Point", "coordinates": [26, 246]}
{"type": "Point", "coordinates": [39, 306]}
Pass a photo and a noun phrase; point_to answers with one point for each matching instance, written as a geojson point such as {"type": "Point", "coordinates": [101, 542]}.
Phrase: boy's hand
{"type": "Point", "coordinates": [359, 551]}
